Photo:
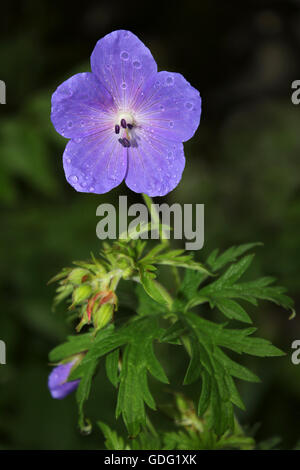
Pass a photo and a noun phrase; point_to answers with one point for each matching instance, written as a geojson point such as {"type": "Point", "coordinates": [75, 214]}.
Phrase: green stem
{"type": "Point", "coordinates": [155, 218]}
{"type": "Point", "coordinates": [162, 233]}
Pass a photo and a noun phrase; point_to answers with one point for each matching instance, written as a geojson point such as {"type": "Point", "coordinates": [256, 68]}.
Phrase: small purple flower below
{"type": "Point", "coordinates": [57, 381]}
{"type": "Point", "coordinates": [125, 120]}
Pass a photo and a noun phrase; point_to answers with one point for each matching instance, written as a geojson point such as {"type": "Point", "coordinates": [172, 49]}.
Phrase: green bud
{"type": "Point", "coordinates": [76, 275]}
{"type": "Point", "coordinates": [84, 319]}
{"type": "Point", "coordinates": [103, 316]}
{"type": "Point", "coordinates": [81, 293]}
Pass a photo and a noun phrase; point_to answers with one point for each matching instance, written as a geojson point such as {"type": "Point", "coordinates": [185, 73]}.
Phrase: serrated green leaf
{"type": "Point", "coordinates": [138, 357]}
{"type": "Point", "coordinates": [216, 262]}
{"type": "Point", "coordinates": [146, 304]}
{"type": "Point", "coordinates": [173, 332]}
{"type": "Point", "coordinates": [205, 393]}
{"type": "Point", "coordinates": [74, 345]}
{"type": "Point", "coordinates": [232, 310]}
{"type": "Point", "coordinates": [155, 290]}
{"type": "Point", "coordinates": [218, 389]}
{"type": "Point", "coordinates": [112, 367]}
{"type": "Point", "coordinates": [112, 440]}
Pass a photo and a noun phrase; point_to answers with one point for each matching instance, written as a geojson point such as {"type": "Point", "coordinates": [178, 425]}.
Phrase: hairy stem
{"type": "Point", "coordinates": [162, 232]}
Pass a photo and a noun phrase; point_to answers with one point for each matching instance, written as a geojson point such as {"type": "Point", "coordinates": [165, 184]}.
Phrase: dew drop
{"type": "Point", "coordinates": [81, 123]}
{"type": "Point", "coordinates": [68, 160]}
{"type": "Point", "coordinates": [169, 80]}
{"type": "Point", "coordinates": [157, 84]}
{"type": "Point", "coordinates": [70, 124]}
{"type": "Point", "coordinates": [124, 55]}
{"type": "Point", "coordinates": [162, 108]}
{"type": "Point", "coordinates": [124, 85]}
{"type": "Point", "coordinates": [136, 64]}
{"type": "Point", "coordinates": [188, 105]}
{"type": "Point", "coordinates": [74, 178]}
{"type": "Point", "coordinates": [171, 124]}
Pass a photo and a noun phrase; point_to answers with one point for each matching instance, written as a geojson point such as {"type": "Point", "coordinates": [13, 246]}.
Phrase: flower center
{"type": "Point", "coordinates": [124, 126]}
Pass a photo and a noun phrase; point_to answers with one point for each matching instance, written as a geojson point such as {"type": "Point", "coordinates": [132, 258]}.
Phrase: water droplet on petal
{"type": "Point", "coordinates": [171, 124]}
{"type": "Point", "coordinates": [188, 105]}
{"type": "Point", "coordinates": [74, 178]}
{"type": "Point", "coordinates": [92, 189]}
{"type": "Point", "coordinates": [124, 85]}
{"type": "Point", "coordinates": [68, 160]}
{"type": "Point", "coordinates": [162, 108]}
{"type": "Point", "coordinates": [136, 64]}
{"type": "Point", "coordinates": [169, 80]}
{"type": "Point", "coordinates": [124, 55]}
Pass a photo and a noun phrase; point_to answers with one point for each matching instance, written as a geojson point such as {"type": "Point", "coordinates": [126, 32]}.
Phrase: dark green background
{"type": "Point", "coordinates": [243, 164]}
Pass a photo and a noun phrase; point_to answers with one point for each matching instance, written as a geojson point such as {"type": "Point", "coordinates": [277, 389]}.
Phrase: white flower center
{"type": "Point", "coordinates": [127, 116]}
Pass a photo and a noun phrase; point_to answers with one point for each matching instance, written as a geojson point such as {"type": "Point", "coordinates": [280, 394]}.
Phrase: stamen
{"type": "Point", "coordinates": [123, 123]}
{"type": "Point", "coordinates": [126, 142]}
{"type": "Point", "coordinates": [117, 129]}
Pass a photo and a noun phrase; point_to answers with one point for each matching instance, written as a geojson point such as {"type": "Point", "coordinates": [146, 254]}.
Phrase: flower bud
{"type": "Point", "coordinates": [76, 275]}
{"type": "Point", "coordinates": [81, 293]}
{"type": "Point", "coordinates": [103, 316]}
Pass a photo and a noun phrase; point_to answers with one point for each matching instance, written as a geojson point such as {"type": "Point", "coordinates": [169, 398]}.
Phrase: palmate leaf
{"type": "Point", "coordinates": [216, 261]}
{"type": "Point", "coordinates": [138, 359]}
{"type": "Point", "coordinates": [177, 258]}
{"type": "Point", "coordinates": [224, 291]}
{"type": "Point", "coordinates": [219, 393]}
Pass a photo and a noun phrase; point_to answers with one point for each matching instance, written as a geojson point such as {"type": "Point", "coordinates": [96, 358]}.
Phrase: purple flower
{"type": "Point", "coordinates": [57, 381]}
{"type": "Point", "coordinates": [125, 120]}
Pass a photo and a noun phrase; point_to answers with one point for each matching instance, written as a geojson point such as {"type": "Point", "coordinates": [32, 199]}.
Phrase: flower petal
{"type": "Point", "coordinates": [80, 106]}
{"type": "Point", "coordinates": [57, 381]}
{"type": "Point", "coordinates": [63, 390]}
{"type": "Point", "coordinates": [171, 107]}
{"type": "Point", "coordinates": [123, 64]}
{"type": "Point", "coordinates": [155, 165]}
{"type": "Point", "coordinates": [95, 164]}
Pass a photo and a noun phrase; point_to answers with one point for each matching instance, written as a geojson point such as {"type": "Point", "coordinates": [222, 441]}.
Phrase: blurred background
{"type": "Point", "coordinates": [243, 164]}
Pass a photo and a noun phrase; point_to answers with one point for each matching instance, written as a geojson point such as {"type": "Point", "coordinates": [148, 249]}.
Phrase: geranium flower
{"type": "Point", "coordinates": [57, 381]}
{"type": "Point", "coordinates": [125, 120]}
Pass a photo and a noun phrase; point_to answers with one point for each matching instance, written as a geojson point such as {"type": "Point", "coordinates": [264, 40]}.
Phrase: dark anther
{"type": "Point", "coordinates": [130, 126]}
{"type": "Point", "coordinates": [123, 123]}
{"type": "Point", "coordinates": [117, 129]}
{"type": "Point", "coordinates": [126, 142]}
